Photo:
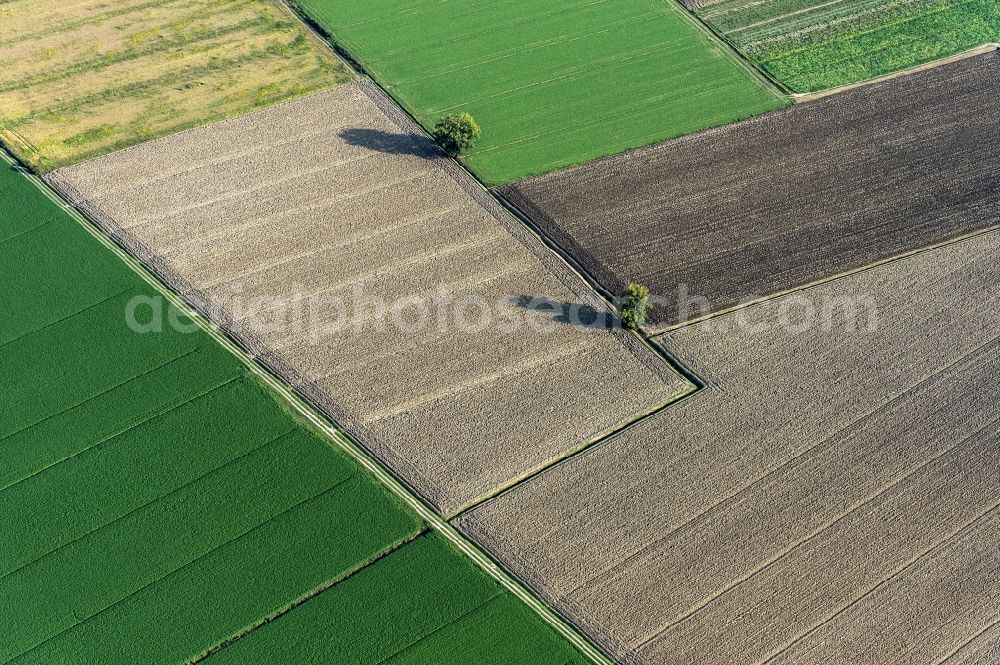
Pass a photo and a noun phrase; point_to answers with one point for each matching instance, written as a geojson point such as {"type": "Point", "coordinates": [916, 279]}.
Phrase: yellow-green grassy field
{"type": "Point", "coordinates": [85, 77]}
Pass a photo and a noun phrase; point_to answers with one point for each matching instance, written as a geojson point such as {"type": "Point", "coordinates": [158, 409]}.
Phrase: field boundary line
{"type": "Point", "coordinates": [556, 263]}
{"type": "Point", "coordinates": [661, 331]}
{"type": "Point", "coordinates": [443, 627]}
{"type": "Point", "coordinates": [951, 656]}
{"type": "Point", "coordinates": [570, 454]}
{"type": "Point", "coordinates": [83, 310]}
{"type": "Point", "coordinates": [529, 475]}
{"type": "Point", "coordinates": [303, 407]}
{"type": "Point", "coordinates": [176, 490]}
{"type": "Point", "coordinates": [305, 598]}
{"type": "Point", "coordinates": [69, 408]}
{"type": "Point", "coordinates": [989, 47]}
{"type": "Point", "coordinates": [880, 493]}
{"type": "Point", "coordinates": [125, 429]}
{"type": "Point", "coordinates": [774, 85]}
{"type": "Point", "coordinates": [939, 545]}
{"type": "Point", "coordinates": [484, 194]}
{"type": "Point", "coordinates": [792, 462]}
{"type": "Point", "coordinates": [330, 42]}
{"type": "Point", "coordinates": [22, 233]}
{"type": "Point", "coordinates": [695, 381]}
{"type": "Point", "coordinates": [193, 562]}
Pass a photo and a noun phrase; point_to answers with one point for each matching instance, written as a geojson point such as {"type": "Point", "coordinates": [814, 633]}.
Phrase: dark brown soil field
{"type": "Point", "coordinates": [786, 199]}
{"type": "Point", "coordinates": [831, 496]}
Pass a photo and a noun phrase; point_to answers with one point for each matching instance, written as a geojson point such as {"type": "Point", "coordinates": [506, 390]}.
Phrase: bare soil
{"type": "Point", "coordinates": [831, 495]}
{"type": "Point", "coordinates": [783, 200]}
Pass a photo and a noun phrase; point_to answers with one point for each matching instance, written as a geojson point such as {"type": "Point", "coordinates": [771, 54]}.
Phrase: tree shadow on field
{"type": "Point", "coordinates": [388, 142]}
{"type": "Point", "coordinates": [570, 313]}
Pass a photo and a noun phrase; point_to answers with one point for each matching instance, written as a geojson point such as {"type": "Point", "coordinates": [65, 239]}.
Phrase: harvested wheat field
{"type": "Point", "coordinates": [86, 77]}
{"type": "Point", "coordinates": [327, 204]}
{"type": "Point", "coordinates": [159, 500]}
{"type": "Point", "coordinates": [831, 496]}
{"type": "Point", "coordinates": [786, 199]}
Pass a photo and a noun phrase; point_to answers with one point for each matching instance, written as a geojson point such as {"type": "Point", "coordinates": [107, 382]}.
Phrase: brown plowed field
{"type": "Point", "coordinates": [307, 202]}
{"type": "Point", "coordinates": [785, 199]}
{"type": "Point", "coordinates": [830, 496]}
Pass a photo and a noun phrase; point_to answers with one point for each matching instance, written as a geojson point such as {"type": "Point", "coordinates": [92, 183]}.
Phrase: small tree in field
{"type": "Point", "coordinates": [633, 303]}
{"type": "Point", "coordinates": [456, 132]}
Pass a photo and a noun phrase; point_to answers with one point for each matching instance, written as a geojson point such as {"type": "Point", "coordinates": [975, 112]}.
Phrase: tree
{"type": "Point", "coordinates": [456, 132]}
{"type": "Point", "coordinates": [633, 303]}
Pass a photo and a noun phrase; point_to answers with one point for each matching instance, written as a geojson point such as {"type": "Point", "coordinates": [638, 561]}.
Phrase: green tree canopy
{"type": "Point", "coordinates": [456, 132]}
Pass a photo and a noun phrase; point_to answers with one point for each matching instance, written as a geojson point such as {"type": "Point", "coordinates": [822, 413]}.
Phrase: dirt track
{"type": "Point", "coordinates": [318, 197]}
{"type": "Point", "coordinates": [785, 199]}
{"type": "Point", "coordinates": [798, 502]}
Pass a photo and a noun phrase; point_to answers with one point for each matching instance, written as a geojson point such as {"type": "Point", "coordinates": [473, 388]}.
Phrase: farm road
{"type": "Point", "coordinates": [828, 494]}
{"type": "Point", "coordinates": [785, 199]}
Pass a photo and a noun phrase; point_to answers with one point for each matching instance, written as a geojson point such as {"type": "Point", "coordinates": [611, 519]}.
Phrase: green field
{"type": "Point", "coordinates": [814, 44]}
{"type": "Point", "coordinates": [157, 498]}
{"type": "Point", "coordinates": [447, 611]}
{"type": "Point", "coordinates": [551, 83]}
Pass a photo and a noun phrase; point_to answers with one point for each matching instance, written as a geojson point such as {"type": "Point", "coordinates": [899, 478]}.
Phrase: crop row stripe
{"type": "Point", "coordinates": [342, 441]}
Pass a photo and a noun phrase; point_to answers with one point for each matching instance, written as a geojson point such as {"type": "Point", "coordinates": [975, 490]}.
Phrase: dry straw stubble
{"type": "Point", "coordinates": [318, 197]}
{"type": "Point", "coordinates": [814, 466]}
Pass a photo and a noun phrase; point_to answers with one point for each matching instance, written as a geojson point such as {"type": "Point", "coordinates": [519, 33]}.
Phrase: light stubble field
{"type": "Point", "coordinates": [86, 77]}
{"type": "Point", "coordinates": [551, 84]}
{"type": "Point", "coordinates": [158, 500]}
{"type": "Point", "coordinates": [815, 44]}
{"type": "Point", "coordinates": [830, 496]}
{"type": "Point", "coordinates": [786, 199]}
{"type": "Point", "coordinates": [318, 197]}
